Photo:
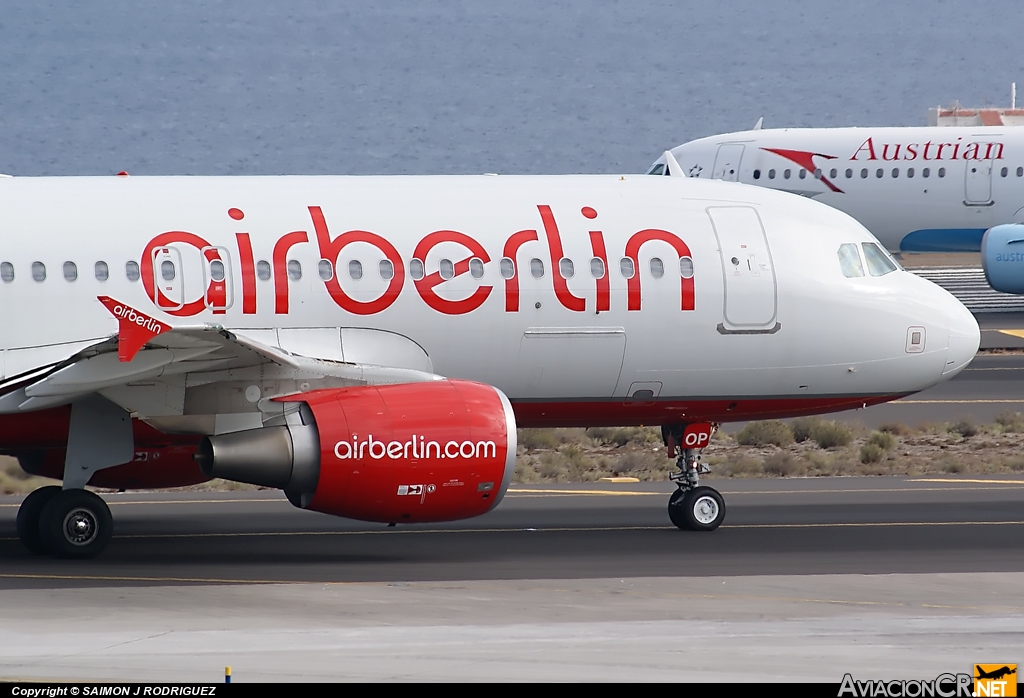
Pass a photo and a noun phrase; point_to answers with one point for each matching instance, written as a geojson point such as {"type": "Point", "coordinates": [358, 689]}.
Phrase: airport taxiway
{"type": "Point", "coordinates": [807, 579]}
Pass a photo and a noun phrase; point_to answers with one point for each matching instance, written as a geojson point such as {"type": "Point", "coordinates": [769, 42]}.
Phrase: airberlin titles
{"type": "Point", "coordinates": [330, 248]}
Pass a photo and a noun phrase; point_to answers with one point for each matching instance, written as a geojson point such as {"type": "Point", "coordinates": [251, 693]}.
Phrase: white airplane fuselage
{"type": "Point", "coordinates": [917, 189]}
{"type": "Point", "coordinates": [629, 300]}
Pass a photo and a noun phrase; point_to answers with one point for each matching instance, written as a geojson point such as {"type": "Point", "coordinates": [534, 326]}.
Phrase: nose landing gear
{"type": "Point", "coordinates": [692, 507]}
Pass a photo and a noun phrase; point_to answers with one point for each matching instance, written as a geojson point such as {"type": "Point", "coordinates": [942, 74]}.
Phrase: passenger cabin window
{"type": "Point", "coordinates": [386, 269]}
{"type": "Point", "coordinates": [447, 269]}
{"type": "Point", "coordinates": [785, 174]}
{"type": "Point", "coordinates": [879, 263]}
{"type": "Point", "coordinates": [833, 173]}
{"type": "Point", "coordinates": [325, 269]}
{"type": "Point", "coordinates": [1005, 171]}
{"type": "Point", "coordinates": [416, 269]}
{"type": "Point", "coordinates": [849, 261]}
{"type": "Point", "coordinates": [217, 270]}
{"type": "Point", "coordinates": [942, 171]}
{"type": "Point", "coordinates": [597, 268]}
{"type": "Point", "coordinates": [757, 174]}
{"type": "Point", "coordinates": [895, 172]}
{"type": "Point", "coordinates": [536, 268]}
{"type": "Point", "coordinates": [263, 270]}
{"type": "Point", "coordinates": [355, 269]}
{"type": "Point", "coordinates": [38, 271]}
{"type": "Point", "coordinates": [657, 268]}
{"type": "Point", "coordinates": [70, 270]}
{"type": "Point", "coordinates": [686, 267]}
{"type": "Point", "coordinates": [879, 173]}
{"type": "Point", "coordinates": [167, 270]}
{"type": "Point", "coordinates": [910, 172]}
{"type": "Point", "coordinates": [864, 173]}
{"type": "Point", "coordinates": [6, 272]}
{"type": "Point", "coordinates": [1020, 171]}
{"type": "Point", "coordinates": [131, 271]}
{"type": "Point", "coordinates": [566, 268]}
{"type": "Point", "coordinates": [771, 174]}
{"type": "Point", "coordinates": [803, 173]}
{"type": "Point", "coordinates": [102, 271]}
{"type": "Point", "coordinates": [294, 270]}
{"type": "Point", "coordinates": [626, 267]}
{"type": "Point", "coordinates": [507, 268]}
{"type": "Point", "coordinates": [476, 268]}
{"type": "Point", "coordinates": [849, 173]}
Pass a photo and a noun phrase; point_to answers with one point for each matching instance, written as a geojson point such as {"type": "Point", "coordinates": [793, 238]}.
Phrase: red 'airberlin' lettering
{"type": "Point", "coordinates": [331, 250]}
{"type": "Point", "coordinates": [216, 297]}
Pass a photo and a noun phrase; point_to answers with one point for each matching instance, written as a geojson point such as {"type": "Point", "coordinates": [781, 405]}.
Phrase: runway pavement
{"type": "Point", "coordinates": [807, 579]}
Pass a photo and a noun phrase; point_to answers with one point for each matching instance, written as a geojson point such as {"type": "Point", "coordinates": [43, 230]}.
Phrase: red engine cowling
{"type": "Point", "coordinates": [408, 453]}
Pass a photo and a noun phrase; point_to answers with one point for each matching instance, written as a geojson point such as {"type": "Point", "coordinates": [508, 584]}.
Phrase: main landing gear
{"type": "Point", "coordinates": [692, 506]}
{"type": "Point", "coordinates": [66, 523]}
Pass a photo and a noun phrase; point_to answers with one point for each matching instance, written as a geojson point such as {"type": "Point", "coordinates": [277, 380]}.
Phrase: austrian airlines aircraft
{"type": "Point", "coordinates": [918, 189]}
{"type": "Point", "coordinates": [370, 344]}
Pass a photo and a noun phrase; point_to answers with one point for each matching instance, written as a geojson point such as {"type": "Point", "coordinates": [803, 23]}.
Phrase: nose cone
{"type": "Point", "coordinates": [964, 339]}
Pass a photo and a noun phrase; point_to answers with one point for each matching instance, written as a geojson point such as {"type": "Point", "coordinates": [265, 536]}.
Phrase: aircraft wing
{"type": "Point", "coordinates": [149, 367]}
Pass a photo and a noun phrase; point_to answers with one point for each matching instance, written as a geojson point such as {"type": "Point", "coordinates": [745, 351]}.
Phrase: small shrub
{"type": "Point", "coordinates": [884, 440]}
{"type": "Point", "coordinates": [897, 429]}
{"type": "Point", "coordinates": [737, 467]}
{"type": "Point", "coordinates": [831, 435]}
{"type": "Point", "coordinates": [1010, 421]}
{"type": "Point", "coordinates": [770, 432]}
{"type": "Point", "coordinates": [964, 428]}
{"type": "Point", "coordinates": [782, 464]}
{"type": "Point", "coordinates": [872, 453]}
{"type": "Point", "coordinates": [532, 439]}
{"type": "Point", "coordinates": [802, 427]}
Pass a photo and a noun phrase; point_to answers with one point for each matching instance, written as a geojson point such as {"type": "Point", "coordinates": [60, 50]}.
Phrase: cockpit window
{"type": "Point", "coordinates": [659, 168]}
{"type": "Point", "coordinates": [849, 261]}
{"type": "Point", "coordinates": [879, 263]}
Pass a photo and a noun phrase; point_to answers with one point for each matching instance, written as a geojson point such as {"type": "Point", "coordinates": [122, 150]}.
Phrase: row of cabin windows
{"type": "Point", "coordinates": [386, 270]}
{"type": "Point", "coordinates": [879, 173]}
{"type": "Point", "coordinates": [864, 173]}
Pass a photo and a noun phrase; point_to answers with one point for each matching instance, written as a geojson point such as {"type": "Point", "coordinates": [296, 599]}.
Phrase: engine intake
{"type": "Point", "coordinates": [1002, 257]}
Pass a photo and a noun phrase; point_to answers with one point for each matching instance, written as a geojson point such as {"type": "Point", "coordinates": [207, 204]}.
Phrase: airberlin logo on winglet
{"type": "Point", "coordinates": [134, 328]}
{"type": "Point", "coordinates": [416, 447]}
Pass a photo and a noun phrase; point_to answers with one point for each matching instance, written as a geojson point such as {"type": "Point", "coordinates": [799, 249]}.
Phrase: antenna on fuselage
{"type": "Point", "coordinates": [757, 126]}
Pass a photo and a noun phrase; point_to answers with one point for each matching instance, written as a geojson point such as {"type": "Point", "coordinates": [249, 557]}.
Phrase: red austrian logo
{"type": "Point", "coordinates": [805, 159]}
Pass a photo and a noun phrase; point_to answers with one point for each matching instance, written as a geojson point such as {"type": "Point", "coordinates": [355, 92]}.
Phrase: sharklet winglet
{"type": "Point", "coordinates": [134, 328]}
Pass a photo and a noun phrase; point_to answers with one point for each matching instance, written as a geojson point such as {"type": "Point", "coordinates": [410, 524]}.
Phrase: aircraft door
{"type": "Point", "coordinates": [751, 290]}
{"type": "Point", "coordinates": [167, 278]}
{"type": "Point", "coordinates": [727, 162]}
{"type": "Point", "coordinates": [978, 183]}
{"type": "Point", "coordinates": [218, 295]}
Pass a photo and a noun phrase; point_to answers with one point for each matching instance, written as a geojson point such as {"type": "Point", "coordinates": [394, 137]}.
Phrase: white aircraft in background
{"type": "Point", "coordinates": [917, 189]}
{"type": "Point", "coordinates": [370, 344]}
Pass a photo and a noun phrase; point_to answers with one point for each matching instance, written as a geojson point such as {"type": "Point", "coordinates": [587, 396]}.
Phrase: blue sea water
{"type": "Point", "coordinates": [532, 86]}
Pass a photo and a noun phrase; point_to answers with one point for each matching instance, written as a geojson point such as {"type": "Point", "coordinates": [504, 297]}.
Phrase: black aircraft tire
{"type": "Point", "coordinates": [675, 511]}
{"type": "Point", "coordinates": [76, 524]}
{"type": "Point", "coordinates": [28, 518]}
{"type": "Point", "coordinates": [704, 508]}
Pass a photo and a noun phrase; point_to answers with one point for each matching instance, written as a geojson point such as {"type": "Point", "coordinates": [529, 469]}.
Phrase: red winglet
{"type": "Point", "coordinates": [134, 328]}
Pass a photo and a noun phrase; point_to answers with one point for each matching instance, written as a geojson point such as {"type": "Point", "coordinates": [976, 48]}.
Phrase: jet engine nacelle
{"type": "Point", "coordinates": [405, 453]}
{"type": "Point", "coordinates": [1002, 257]}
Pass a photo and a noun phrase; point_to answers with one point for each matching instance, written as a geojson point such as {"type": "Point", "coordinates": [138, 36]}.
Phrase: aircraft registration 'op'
{"type": "Point", "coordinates": [369, 345]}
